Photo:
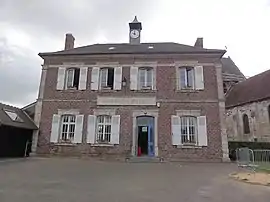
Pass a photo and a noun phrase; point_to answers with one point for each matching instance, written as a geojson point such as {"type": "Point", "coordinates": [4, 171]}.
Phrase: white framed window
{"type": "Point", "coordinates": [104, 129]}
{"type": "Point", "coordinates": [106, 80]}
{"type": "Point", "coordinates": [188, 129]}
{"type": "Point", "coordinates": [187, 78]}
{"type": "Point", "coordinates": [13, 116]}
{"type": "Point", "coordinates": [67, 131]}
{"type": "Point", "coordinates": [145, 78]}
{"type": "Point", "coordinates": [72, 78]}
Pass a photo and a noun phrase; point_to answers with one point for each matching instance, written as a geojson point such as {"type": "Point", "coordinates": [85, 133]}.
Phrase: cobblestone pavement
{"type": "Point", "coordinates": [79, 180]}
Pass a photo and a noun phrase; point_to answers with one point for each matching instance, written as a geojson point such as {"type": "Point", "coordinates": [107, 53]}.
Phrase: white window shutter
{"type": "Point", "coordinates": [78, 129]}
{"type": "Point", "coordinates": [55, 128]}
{"type": "Point", "coordinates": [91, 129]}
{"type": "Point", "coordinates": [176, 130]}
{"type": "Point", "coordinates": [202, 131]}
{"type": "Point", "coordinates": [117, 84]}
{"type": "Point", "coordinates": [95, 78]}
{"type": "Point", "coordinates": [133, 78]}
{"type": "Point", "coordinates": [199, 78]}
{"type": "Point", "coordinates": [83, 78]}
{"type": "Point", "coordinates": [115, 129]}
{"type": "Point", "coordinates": [61, 78]}
{"type": "Point", "coordinates": [154, 79]}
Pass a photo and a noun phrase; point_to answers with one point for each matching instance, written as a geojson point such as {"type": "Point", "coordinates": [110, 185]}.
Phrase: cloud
{"type": "Point", "coordinates": [29, 27]}
{"type": "Point", "coordinates": [19, 74]}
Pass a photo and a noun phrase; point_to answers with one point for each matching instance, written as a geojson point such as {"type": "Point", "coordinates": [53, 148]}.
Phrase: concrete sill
{"type": "Point", "coordinates": [65, 144]}
{"type": "Point", "coordinates": [188, 91]}
{"type": "Point", "coordinates": [102, 145]}
{"type": "Point", "coordinates": [189, 147]}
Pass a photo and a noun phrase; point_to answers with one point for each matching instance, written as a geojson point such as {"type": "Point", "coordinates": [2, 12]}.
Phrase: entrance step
{"type": "Point", "coordinates": [144, 159]}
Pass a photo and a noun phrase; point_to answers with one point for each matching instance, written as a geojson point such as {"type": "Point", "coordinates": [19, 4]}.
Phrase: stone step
{"type": "Point", "coordinates": [143, 159]}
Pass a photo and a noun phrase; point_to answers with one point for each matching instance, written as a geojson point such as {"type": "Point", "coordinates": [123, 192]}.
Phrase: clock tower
{"type": "Point", "coordinates": [135, 28]}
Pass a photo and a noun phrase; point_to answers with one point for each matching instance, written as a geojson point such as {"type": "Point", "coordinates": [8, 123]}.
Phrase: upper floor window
{"type": "Point", "coordinates": [72, 78]}
{"type": "Point", "coordinates": [104, 129]}
{"type": "Point", "coordinates": [188, 129]}
{"type": "Point", "coordinates": [145, 78]}
{"type": "Point", "coordinates": [67, 128]}
{"type": "Point", "coordinates": [246, 124]}
{"type": "Point", "coordinates": [106, 78]}
{"type": "Point", "coordinates": [187, 78]}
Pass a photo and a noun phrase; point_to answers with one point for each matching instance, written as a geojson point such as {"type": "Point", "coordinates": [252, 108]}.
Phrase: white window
{"type": "Point", "coordinates": [187, 78]}
{"type": "Point", "coordinates": [145, 78]}
{"type": "Point", "coordinates": [106, 79]}
{"type": "Point", "coordinates": [104, 129]}
{"type": "Point", "coordinates": [188, 130]}
{"type": "Point", "coordinates": [72, 78]}
{"type": "Point", "coordinates": [13, 116]}
{"type": "Point", "coordinates": [67, 128]}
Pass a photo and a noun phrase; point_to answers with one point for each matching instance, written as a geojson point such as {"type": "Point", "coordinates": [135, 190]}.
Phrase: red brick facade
{"type": "Point", "coordinates": [167, 95]}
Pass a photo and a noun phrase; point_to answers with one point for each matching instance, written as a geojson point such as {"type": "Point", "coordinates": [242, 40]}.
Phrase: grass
{"type": "Point", "coordinates": [264, 167]}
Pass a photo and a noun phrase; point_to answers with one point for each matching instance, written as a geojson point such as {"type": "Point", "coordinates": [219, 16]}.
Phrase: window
{"type": "Point", "coordinates": [188, 130]}
{"type": "Point", "coordinates": [106, 78]}
{"type": "Point", "coordinates": [72, 78]}
{"type": "Point", "coordinates": [187, 79]}
{"type": "Point", "coordinates": [145, 78]}
{"type": "Point", "coordinates": [246, 124]}
{"type": "Point", "coordinates": [13, 116]}
{"type": "Point", "coordinates": [104, 128]}
{"type": "Point", "coordinates": [67, 128]}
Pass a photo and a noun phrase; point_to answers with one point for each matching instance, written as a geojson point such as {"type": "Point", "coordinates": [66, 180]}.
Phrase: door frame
{"type": "Point", "coordinates": [138, 113]}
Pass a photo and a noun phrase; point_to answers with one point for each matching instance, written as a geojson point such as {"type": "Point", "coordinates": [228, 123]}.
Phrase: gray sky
{"type": "Point", "coordinates": [30, 26]}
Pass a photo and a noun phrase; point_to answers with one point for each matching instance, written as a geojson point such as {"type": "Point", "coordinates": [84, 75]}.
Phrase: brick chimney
{"type": "Point", "coordinates": [199, 42]}
{"type": "Point", "coordinates": [69, 43]}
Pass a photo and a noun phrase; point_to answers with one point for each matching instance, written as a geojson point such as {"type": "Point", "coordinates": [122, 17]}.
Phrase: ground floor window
{"type": "Point", "coordinates": [188, 130]}
{"type": "Point", "coordinates": [67, 128]}
{"type": "Point", "coordinates": [104, 128]}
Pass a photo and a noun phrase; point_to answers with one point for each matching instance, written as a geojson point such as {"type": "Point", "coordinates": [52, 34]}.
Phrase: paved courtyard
{"type": "Point", "coordinates": [77, 180]}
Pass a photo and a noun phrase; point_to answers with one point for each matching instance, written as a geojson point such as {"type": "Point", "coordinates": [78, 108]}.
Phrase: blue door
{"type": "Point", "coordinates": [151, 151]}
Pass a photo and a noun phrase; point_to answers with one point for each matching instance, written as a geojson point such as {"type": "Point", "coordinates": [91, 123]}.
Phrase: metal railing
{"type": "Point", "coordinates": [261, 155]}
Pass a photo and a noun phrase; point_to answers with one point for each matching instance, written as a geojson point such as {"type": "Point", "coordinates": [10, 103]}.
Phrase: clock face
{"type": "Point", "coordinates": [134, 34]}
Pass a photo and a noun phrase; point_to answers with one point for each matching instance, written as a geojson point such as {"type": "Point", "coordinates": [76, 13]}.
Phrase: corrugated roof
{"type": "Point", "coordinates": [23, 122]}
{"type": "Point", "coordinates": [254, 89]}
{"type": "Point", "coordinates": [126, 48]}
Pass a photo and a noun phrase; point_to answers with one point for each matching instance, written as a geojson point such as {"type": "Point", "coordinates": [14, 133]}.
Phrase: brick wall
{"type": "Point", "coordinates": [170, 99]}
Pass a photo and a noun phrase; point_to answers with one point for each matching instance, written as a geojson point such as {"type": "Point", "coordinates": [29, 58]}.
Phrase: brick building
{"type": "Point", "coordinates": [133, 99]}
{"type": "Point", "coordinates": [248, 110]}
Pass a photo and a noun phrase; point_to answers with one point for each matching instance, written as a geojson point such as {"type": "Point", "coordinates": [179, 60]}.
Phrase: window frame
{"type": "Point", "coordinates": [246, 126]}
{"type": "Point", "coordinates": [16, 119]}
{"type": "Point", "coordinates": [70, 124]}
{"type": "Point", "coordinates": [101, 72]}
{"type": "Point", "coordinates": [73, 70]}
{"type": "Point", "coordinates": [187, 85]}
{"type": "Point", "coordinates": [146, 82]}
{"type": "Point", "coordinates": [104, 139]}
{"type": "Point", "coordinates": [189, 135]}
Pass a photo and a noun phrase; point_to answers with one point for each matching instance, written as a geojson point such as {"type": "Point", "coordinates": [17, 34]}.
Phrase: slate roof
{"type": "Point", "coordinates": [229, 67]}
{"type": "Point", "coordinates": [254, 89]}
{"type": "Point", "coordinates": [26, 122]}
{"type": "Point", "coordinates": [126, 48]}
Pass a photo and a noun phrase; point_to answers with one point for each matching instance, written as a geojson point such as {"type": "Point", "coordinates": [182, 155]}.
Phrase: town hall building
{"type": "Point", "coordinates": [161, 100]}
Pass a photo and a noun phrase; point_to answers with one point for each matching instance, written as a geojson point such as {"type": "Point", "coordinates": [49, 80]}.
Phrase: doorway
{"type": "Point", "coordinates": [145, 136]}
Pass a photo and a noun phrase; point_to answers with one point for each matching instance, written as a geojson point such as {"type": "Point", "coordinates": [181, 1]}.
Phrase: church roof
{"type": "Point", "coordinates": [229, 67]}
{"type": "Point", "coordinates": [251, 90]}
{"type": "Point", "coordinates": [127, 48]}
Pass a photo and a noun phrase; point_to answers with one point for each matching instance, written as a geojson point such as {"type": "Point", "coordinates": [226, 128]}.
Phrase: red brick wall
{"type": "Point", "coordinates": [85, 101]}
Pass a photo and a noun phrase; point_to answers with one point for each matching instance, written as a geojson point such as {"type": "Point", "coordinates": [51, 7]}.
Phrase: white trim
{"type": "Point", "coordinates": [68, 112]}
{"type": "Point", "coordinates": [137, 113]}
